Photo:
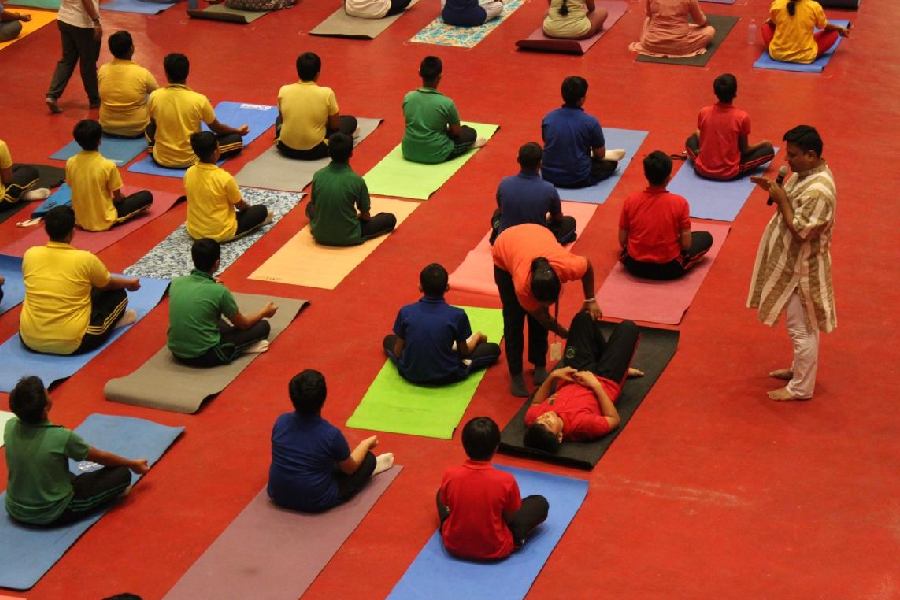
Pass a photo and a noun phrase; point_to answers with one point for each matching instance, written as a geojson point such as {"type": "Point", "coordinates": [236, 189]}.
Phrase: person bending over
{"type": "Point", "coordinates": [17, 181]}
{"type": "Point", "coordinates": [11, 24]}
{"type": "Point", "coordinates": [573, 19]}
{"type": "Point", "coordinates": [675, 28]}
{"type": "Point", "coordinates": [470, 13]}
{"type": "Point", "coordinates": [790, 31]}
{"type": "Point", "coordinates": [432, 341]}
{"type": "Point", "coordinates": [312, 466]}
{"type": "Point", "coordinates": [374, 9]}
{"type": "Point", "coordinates": [124, 88]}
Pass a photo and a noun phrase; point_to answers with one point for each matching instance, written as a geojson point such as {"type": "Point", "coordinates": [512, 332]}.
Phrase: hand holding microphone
{"type": "Point", "coordinates": [779, 180]}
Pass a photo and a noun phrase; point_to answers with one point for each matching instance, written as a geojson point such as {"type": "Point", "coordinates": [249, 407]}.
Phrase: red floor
{"type": "Point", "coordinates": [713, 491]}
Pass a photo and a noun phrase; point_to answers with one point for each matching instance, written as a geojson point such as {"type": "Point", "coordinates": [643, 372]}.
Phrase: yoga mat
{"type": "Point", "coordinates": [767, 62]}
{"type": "Point", "coordinates": [140, 7]}
{"type": "Point", "coordinates": [4, 417]}
{"type": "Point", "coordinates": [396, 176]}
{"type": "Point", "coordinates": [437, 32]}
{"type": "Point", "coordinates": [27, 553]}
{"type": "Point", "coordinates": [436, 575]}
{"type": "Point", "coordinates": [723, 25]}
{"type": "Point", "coordinates": [272, 171]}
{"type": "Point", "coordinates": [8, 209]}
{"type": "Point", "coordinates": [655, 349]}
{"type": "Point", "coordinates": [39, 18]}
{"type": "Point", "coordinates": [624, 296]}
{"type": "Point", "coordinates": [220, 12]}
{"type": "Point", "coordinates": [172, 256]}
{"type": "Point", "coordinates": [60, 197]}
{"type": "Point", "coordinates": [95, 241]}
{"type": "Point", "coordinates": [476, 272]}
{"type": "Point", "coordinates": [301, 261]}
{"type": "Point", "coordinates": [718, 200]}
{"type": "Point", "coordinates": [340, 24]}
{"type": "Point", "coordinates": [269, 553]}
{"type": "Point", "coordinates": [539, 42]}
{"type": "Point", "coordinates": [46, 4]}
{"type": "Point", "coordinates": [119, 150]}
{"type": "Point", "coordinates": [16, 361]}
{"type": "Point", "coordinates": [628, 139]}
{"type": "Point", "coordinates": [165, 384]}
{"type": "Point", "coordinates": [13, 287]}
{"type": "Point", "coordinates": [719, 1]}
{"type": "Point", "coordinates": [393, 404]}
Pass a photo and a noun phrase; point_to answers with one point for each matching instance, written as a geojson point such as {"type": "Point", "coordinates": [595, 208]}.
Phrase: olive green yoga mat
{"type": "Point", "coordinates": [723, 25]}
{"type": "Point", "coordinates": [395, 405]}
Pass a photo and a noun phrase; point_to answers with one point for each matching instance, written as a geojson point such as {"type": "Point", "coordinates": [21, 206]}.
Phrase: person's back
{"type": "Point", "coordinates": [305, 107]}
{"type": "Point", "coordinates": [571, 25]}
{"type": "Point", "coordinates": [196, 303]}
{"type": "Point", "coordinates": [124, 86]}
{"type": "Point", "coordinates": [427, 113]}
{"type": "Point", "coordinates": [178, 112]}
{"type": "Point", "coordinates": [526, 198]}
{"type": "Point", "coordinates": [431, 329]}
{"type": "Point", "coordinates": [463, 13]}
{"type": "Point", "coordinates": [655, 219]}
{"type": "Point", "coordinates": [793, 40]}
{"type": "Point", "coordinates": [721, 126]}
{"type": "Point", "coordinates": [569, 134]}
{"type": "Point", "coordinates": [367, 9]}
{"type": "Point", "coordinates": [92, 178]}
{"type": "Point", "coordinates": [340, 195]}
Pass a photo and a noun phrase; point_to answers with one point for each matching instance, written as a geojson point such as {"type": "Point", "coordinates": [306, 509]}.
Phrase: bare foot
{"type": "Point", "coordinates": [258, 348]}
{"type": "Point", "coordinates": [127, 319]}
{"type": "Point", "coordinates": [783, 395]}
{"type": "Point", "coordinates": [632, 372]}
{"type": "Point", "coordinates": [783, 374]}
{"type": "Point", "coordinates": [479, 143]}
{"type": "Point", "coordinates": [616, 155]}
{"type": "Point", "coordinates": [36, 194]}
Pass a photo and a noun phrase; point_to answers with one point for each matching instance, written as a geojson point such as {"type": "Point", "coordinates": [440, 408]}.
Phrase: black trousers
{"type": "Point", "coordinates": [133, 205]}
{"type": "Point", "coordinates": [701, 242]}
{"type": "Point", "coordinates": [24, 177]}
{"type": "Point", "coordinates": [750, 161]}
{"type": "Point", "coordinates": [249, 219]}
{"type": "Point", "coordinates": [230, 144]}
{"type": "Point", "coordinates": [463, 142]}
{"type": "Point", "coordinates": [78, 46]}
{"type": "Point", "coordinates": [533, 512]}
{"type": "Point", "coordinates": [587, 350]}
{"type": "Point", "coordinates": [564, 229]}
{"type": "Point", "coordinates": [93, 491]}
{"type": "Point", "coordinates": [350, 485]}
{"type": "Point", "coordinates": [232, 344]}
{"type": "Point", "coordinates": [10, 30]}
{"type": "Point", "coordinates": [346, 125]}
{"type": "Point", "coordinates": [397, 7]}
{"type": "Point", "coordinates": [514, 317]}
{"type": "Point", "coordinates": [107, 307]}
{"type": "Point", "coordinates": [484, 355]}
{"type": "Point", "coordinates": [379, 224]}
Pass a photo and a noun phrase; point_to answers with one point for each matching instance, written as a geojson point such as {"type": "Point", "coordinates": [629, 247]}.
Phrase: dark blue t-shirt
{"type": "Point", "coordinates": [429, 328]}
{"type": "Point", "coordinates": [305, 455]}
{"type": "Point", "coordinates": [569, 134]}
{"type": "Point", "coordinates": [463, 13]}
{"type": "Point", "coordinates": [526, 198]}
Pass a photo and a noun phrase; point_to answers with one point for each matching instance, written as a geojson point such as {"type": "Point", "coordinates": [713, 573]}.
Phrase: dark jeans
{"type": "Point", "coordinates": [750, 161]}
{"type": "Point", "coordinates": [564, 229]}
{"type": "Point", "coordinates": [347, 125]}
{"type": "Point", "coordinates": [350, 485]}
{"type": "Point", "coordinates": [397, 7]}
{"type": "Point", "coordinates": [133, 205]}
{"type": "Point", "coordinates": [514, 317]}
{"type": "Point", "coordinates": [463, 142]}
{"type": "Point", "coordinates": [24, 177]}
{"type": "Point", "coordinates": [78, 46]}
{"type": "Point", "coordinates": [230, 144]}
{"type": "Point", "coordinates": [232, 344]}
{"type": "Point", "coordinates": [250, 219]}
{"type": "Point", "coordinates": [93, 491]}
{"type": "Point", "coordinates": [107, 307]}
{"type": "Point", "coordinates": [587, 350]}
{"type": "Point", "coordinates": [484, 355]}
{"type": "Point", "coordinates": [533, 512]}
{"type": "Point", "coordinates": [701, 242]}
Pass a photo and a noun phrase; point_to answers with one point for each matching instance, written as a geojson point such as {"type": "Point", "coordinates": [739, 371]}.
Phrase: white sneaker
{"type": "Point", "coordinates": [383, 462]}
{"type": "Point", "coordinates": [36, 194]}
{"type": "Point", "coordinates": [615, 155]}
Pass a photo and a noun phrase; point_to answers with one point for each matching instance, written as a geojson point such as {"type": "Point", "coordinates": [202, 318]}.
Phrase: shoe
{"type": "Point", "coordinates": [517, 387]}
{"type": "Point", "coordinates": [540, 375]}
{"type": "Point", "coordinates": [52, 105]}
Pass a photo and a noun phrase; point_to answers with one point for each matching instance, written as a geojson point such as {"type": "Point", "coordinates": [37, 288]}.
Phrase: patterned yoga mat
{"type": "Point", "coordinates": [441, 34]}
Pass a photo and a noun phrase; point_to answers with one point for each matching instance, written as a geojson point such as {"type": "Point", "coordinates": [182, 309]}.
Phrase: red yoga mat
{"type": "Point", "coordinates": [541, 43]}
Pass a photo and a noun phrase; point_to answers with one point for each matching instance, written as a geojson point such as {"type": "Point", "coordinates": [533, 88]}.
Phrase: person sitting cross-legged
{"type": "Point", "coordinates": [18, 182]}
{"type": "Point", "coordinates": [375, 9]}
{"type": "Point", "coordinates": [124, 88]}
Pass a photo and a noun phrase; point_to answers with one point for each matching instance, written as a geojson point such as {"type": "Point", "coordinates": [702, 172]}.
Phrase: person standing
{"type": "Point", "coordinates": [80, 33]}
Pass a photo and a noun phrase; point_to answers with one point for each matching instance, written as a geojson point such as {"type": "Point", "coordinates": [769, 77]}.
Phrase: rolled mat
{"type": "Point", "coordinates": [165, 384]}
{"type": "Point", "coordinates": [4, 417]}
{"type": "Point", "coordinates": [13, 287]}
{"type": "Point", "coordinates": [340, 24]}
{"type": "Point", "coordinates": [767, 62]}
{"type": "Point", "coordinates": [541, 43]}
{"type": "Point", "coordinates": [718, 200]}
{"type": "Point", "coordinates": [140, 7]}
{"type": "Point", "coordinates": [436, 575]}
{"type": "Point", "coordinates": [27, 553]}
{"type": "Point", "coordinates": [393, 404]}
{"type": "Point", "coordinates": [220, 12]}
{"type": "Point", "coordinates": [628, 139]}
{"type": "Point", "coordinates": [656, 348]}
{"type": "Point", "coordinates": [119, 150]}
{"type": "Point", "coordinates": [439, 33]}
{"type": "Point", "coordinates": [269, 553]}
{"type": "Point", "coordinates": [723, 25]}
{"type": "Point", "coordinates": [39, 18]}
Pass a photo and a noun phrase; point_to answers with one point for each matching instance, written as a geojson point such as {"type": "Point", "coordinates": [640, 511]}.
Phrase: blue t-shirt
{"type": "Point", "coordinates": [526, 198]}
{"type": "Point", "coordinates": [305, 454]}
{"type": "Point", "coordinates": [463, 13]}
{"type": "Point", "coordinates": [429, 328]}
{"type": "Point", "coordinates": [569, 135]}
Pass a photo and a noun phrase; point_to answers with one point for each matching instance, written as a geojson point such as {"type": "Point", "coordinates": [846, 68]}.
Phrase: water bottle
{"type": "Point", "coordinates": [752, 32]}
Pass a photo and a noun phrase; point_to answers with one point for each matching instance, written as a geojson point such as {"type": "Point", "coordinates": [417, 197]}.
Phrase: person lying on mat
{"type": "Point", "coordinates": [124, 88]}
{"type": "Point", "coordinates": [720, 148]}
{"type": "Point", "coordinates": [432, 341]}
{"type": "Point", "coordinates": [582, 407]}
{"type": "Point", "coordinates": [375, 9]}
{"type": "Point", "coordinates": [674, 28]}
{"type": "Point", "coordinates": [529, 269]}
{"type": "Point", "coordinates": [790, 31]}
{"type": "Point", "coordinates": [215, 207]}
{"type": "Point", "coordinates": [527, 198]}
{"type": "Point", "coordinates": [72, 304]}
{"type": "Point", "coordinates": [313, 468]}
{"type": "Point", "coordinates": [470, 13]}
{"type": "Point", "coordinates": [573, 19]}
{"type": "Point", "coordinates": [308, 113]}
{"type": "Point", "coordinates": [177, 112]}
{"type": "Point", "coordinates": [40, 489]}
{"type": "Point", "coordinates": [575, 154]}
{"type": "Point", "coordinates": [11, 24]}
{"type": "Point", "coordinates": [655, 227]}
{"type": "Point", "coordinates": [198, 334]}
{"type": "Point", "coordinates": [433, 131]}
{"type": "Point", "coordinates": [339, 207]}
{"type": "Point", "coordinates": [97, 197]}
{"type": "Point", "coordinates": [482, 514]}
{"type": "Point", "coordinates": [18, 182]}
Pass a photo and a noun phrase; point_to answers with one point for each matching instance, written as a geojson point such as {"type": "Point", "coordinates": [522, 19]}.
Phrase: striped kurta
{"type": "Point", "coordinates": [801, 262]}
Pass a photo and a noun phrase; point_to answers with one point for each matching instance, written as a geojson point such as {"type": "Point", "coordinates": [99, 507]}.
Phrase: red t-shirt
{"type": "Point", "coordinates": [579, 409]}
{"type": "Point", "coordinates": [478, 495]}
{"type": "Point", "coordinates": [654, 220]}
{"type": "Point", "coordinates": [721, 126]}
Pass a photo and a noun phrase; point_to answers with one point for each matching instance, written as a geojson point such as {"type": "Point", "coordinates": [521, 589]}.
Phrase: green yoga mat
{"type": "Point", "coordinates": [47, 4]}
{"type": "Point", "coordinates": [395, 176]}
{"type": "Point", "coordinates": [395, 405]}
{"type": "Point", "coordinates": [723, 26]}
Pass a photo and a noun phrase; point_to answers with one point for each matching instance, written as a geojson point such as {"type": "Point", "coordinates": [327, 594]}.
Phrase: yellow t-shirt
{"type": "Point", "coordinates": [93, 180]}
{"type": "Point", "coordinates": [211, 195]}
{"type": "Point", "coordinates": [5, 163]}
{"type": "Point", "coordinates": [124, 87]}
{"type": "Point", "coordinates": [305, 108]}
{"type": "Point", "coordinates": [793, 40]}
{"type": "Point", "coordinates": [57, 308]}
{"type": "Point", "coordinates": [178, 112]}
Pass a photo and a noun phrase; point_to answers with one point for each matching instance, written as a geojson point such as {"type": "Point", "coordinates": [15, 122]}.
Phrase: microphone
{"type": "Point", "coordinates": [782, 173]}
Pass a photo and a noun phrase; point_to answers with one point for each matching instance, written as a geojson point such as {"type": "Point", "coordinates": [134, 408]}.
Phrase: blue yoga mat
{"type": "Point", "coordinates": [628, 139]}
{"type": "Point", "coordinates": [436, 575]}
{"type": "Point", "coordinates": [118, 150]}
{"type": "Point", "coordinates": [26, 553]}
{"type": "Point", "coordinates": [137, 6]}
{"type": "Point", "coordinates": [16, 361]}
{"type": "Point", "coordinates": [62, 196]}
{"type": "Point", "coordinates": [14, 287]}
{"type": "Point", "coordinates": [767, 62]}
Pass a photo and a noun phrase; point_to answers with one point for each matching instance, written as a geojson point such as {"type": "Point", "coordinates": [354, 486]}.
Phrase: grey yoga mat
{"type": "Point", "coordinates": [340, 24]}
{"type": "Point", "coordinates": [723, 24]}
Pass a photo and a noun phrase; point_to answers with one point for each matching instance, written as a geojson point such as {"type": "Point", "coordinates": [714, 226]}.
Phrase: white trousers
{"type": "Point", "coordinates": [806, 349]}
{"type": "Point", "coordinates": [491, 7]}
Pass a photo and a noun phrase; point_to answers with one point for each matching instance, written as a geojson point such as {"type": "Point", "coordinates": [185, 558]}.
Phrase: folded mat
{"type": "Point", "coordinates": [4, 417]}
{"type": "Point", "coordinates": [628, 139]}
{"type": "Point", "coordinates": [767, 62]}
{"type": "Point", "coordinates": [301, 261]}
{"type": "Point", "coordinates": [393, 404]}
{"type": "Point", "coordinates": [269, 553]}
{"type": "Point", "coordinates": [718, 200]}
{"type": "Point", "coordinates": [119, 150]}
{"type": "Point", "coordinates": [39, 18]}
{"type": "Point", "coordinates": [26, 553]}
{"type": "Point", "coordinates": [624, 296]}
{"type": "Point", "coordinates": [141, 7]}
{"type": "Point", "coordinates": [16, 361]}
{"type": "Point", "coordinates": [163, 383]}
{"type": "Point", "coordinates": [396, 176]}
{"type": "Point", "coordinates": [220, 12]}
{"type": "Point", "coordinates": [340, 24]}
{"type": "Point", "coordinates": [723, 25]}
{"type": "Point", "coordinates": [476, 272]}
{"type": "Point", "coordinates": [272, 171]}
{"type": "Point", "coordinates": [539, 42]}
{"type": "Point", "coordinates": [441, 34]}
{"type": "Point", "coordinates": [655, 349]}
{"type": "Point", "coordinates": [13, 287]}
{"type": "Point", "coordinates": [172, 256]}
{"type": "Point", "coordinates": [436, 575]}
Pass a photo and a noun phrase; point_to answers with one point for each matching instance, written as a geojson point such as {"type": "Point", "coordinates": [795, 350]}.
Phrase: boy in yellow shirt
{"type": "Point", "coordinates": [124, 87]}
{"type": "Point", "coordinates": [16, 183]}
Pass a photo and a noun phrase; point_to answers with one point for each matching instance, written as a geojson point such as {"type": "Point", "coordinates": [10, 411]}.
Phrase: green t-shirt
{"type": "Point", "coordinates": [40, 484]}
{"type": "Point", "coordinates": [428, 113]}
{"type": "Point", "coordinates": [196, 304]}
{"type": "Point", "coordinates": [338, 196]}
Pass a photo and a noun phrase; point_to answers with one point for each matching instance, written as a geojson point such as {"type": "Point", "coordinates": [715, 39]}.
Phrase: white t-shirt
{"type": "Point", "coordinates": [367, 9]}
{"type": "Point", "coordinates": [72, 13]}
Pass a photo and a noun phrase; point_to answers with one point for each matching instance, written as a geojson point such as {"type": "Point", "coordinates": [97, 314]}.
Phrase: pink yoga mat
{"type": "Point", "coordinates": [97, 240]}
{"type": "Point", "coordinates": [626, 297]}
{"type": "Point", "coordinates": [539, 41]}
{"type": "Point", "coordinates": [476, 273]}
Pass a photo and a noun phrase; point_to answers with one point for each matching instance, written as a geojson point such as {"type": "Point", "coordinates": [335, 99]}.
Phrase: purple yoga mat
{"type": "Point", "coordinates": [539, 41]}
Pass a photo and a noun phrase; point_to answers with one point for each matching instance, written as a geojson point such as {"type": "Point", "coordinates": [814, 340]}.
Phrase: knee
{"type": "Point", "coordinates": [703, 238]}
{"type": "Point", "coordinates": [388, 344]}
{"type": "Point", "coordinates": [629, 329]}
{"type": "Point", "coordinates": [541, 505]}
{"type": "Point", "coordinates": [390, 220]}
{"type": "Point", "coordinates": [265, 328]}
{"type": "Point", "coordinates": [582, 319]}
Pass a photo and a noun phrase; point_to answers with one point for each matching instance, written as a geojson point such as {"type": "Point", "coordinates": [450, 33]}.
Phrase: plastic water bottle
{"type": "Point", "coordinates": [752, 32]}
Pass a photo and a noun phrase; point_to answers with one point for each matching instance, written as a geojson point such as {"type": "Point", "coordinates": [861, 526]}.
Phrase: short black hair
{"type": "Point", "coordinates": [657, 167]}
{"type": "Point", "coordinates": [87, 133]}
{"type": "Point", "coordinates": [480, 438]}
{"type": "Point", "coordinates": [430, 69]}
{"type": "Point", "coordinates": [307, 390]}
{"type": "Point", "coordinates": [545, 284]}
{"type": "Point", "coordinates": [433, 280]}
{"type": "Point", "coordinates": [573, 89]}
{"type": "Point", "coordinates": [340, 147]}
{"type": "Point", "coordinates": [120, 44]}
{"type": "Point", "coordinates": [530, 156]}
{"type": "Point", "coordinates": [205, 253]}
{"type": "Point", "coordinates": [28, 400]}
{"type": "Point", "coordinates": [59, 223]}
{"type": "Point", "coordinates": [806, 138]}
{"type": "Point", "coordinates": [204, 144]}
{"type": "Point", "coordinates": [308, 66]}
{"type": "Point", "coordinates": [539, 437]}
{"type": "Point", "coordinates": [725, 87]}
{"type": "Point", "coordinates": [177, 67]}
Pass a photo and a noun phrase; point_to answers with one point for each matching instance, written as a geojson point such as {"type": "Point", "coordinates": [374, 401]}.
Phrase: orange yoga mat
{"type": "Point", "coordinates": [39, 18]}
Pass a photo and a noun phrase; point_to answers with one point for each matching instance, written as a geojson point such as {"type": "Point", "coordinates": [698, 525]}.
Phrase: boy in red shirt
{"type": "Point", "coordinates": [482, 515]}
